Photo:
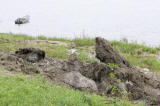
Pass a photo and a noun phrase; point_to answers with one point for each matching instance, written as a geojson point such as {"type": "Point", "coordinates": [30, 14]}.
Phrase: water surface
{"type": "Point", "coordinates": [113, 19]}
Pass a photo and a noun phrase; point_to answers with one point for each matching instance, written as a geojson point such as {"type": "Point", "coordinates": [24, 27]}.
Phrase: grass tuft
{"type": "Point", "coordinates": [132, 52]}
{"type": "Point", "coordinates": [84, 42]}
{"type": "Point", "coordinates": [133, 48]}
{"type": "Point", "coordinates": [84, 55]}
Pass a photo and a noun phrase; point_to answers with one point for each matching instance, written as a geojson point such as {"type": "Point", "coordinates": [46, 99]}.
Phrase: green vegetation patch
{"type": "Point", "coordinates": [23, 37]}
{"type": "Point", "coordinates": [113, 66]}
{"type": "Point", "coordinates": [133, 48]}
{"type": "Point", "coordinates": [8, 45]}
{"type": "Point", "coordinates": [22, 90]}
{"type": "Point", "coordinates": [52, 39]}
{"type": "Point", "coordinates": [8, 42]}
{"type": "Point", "coordinates": [144, 62]}
{"type": "Point", "coordinates": [84, 55]}
{"type": "Point", "coordinates": [132, 52]}
{"type": "Point", "coordinates": [60, 52]}
{"type": "Point", "coordinates": [54, 51]}
{"type": "Point", "coordinates": [84, 41]}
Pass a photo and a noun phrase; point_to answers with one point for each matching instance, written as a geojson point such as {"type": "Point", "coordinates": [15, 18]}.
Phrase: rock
{"type": "Point", "coordinates": [121, 86]}
{"type": "Point", "coordinates": [96, 71]}
{"type": "Point", "coordinates": [73, 64]}
{"type": "Point", "coordinates": [78, 81]}
{"type": "Point", "coordinates": [139, 85]}
{"type": "Point", "coordinates": [105, 53]}
{"type": "Point", "coordinates": [31, 54]}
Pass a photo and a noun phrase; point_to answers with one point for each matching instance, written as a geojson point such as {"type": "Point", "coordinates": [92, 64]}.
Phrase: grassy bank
{"type": "Point", "coordinates": [139, 55]}
{"type": "Point", "coordinates": [24, 90]}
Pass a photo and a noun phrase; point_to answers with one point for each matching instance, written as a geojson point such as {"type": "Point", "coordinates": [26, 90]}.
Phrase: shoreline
{"type": "Point", "coordinates": [61, 62]}
{"type": "Point", "coordinates": [138, 55]}
{"type": "Point", "coordinates": [82, 35]}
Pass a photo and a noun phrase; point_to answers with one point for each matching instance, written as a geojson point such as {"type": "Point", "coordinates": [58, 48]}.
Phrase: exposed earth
{"type": "Point", "coordinates": [113, 75]}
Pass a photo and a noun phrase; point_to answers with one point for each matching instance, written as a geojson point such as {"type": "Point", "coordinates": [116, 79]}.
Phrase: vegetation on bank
{"type": "Point", "coordinates": [138, 55]}
{"type": "Point", "coordinates": [22, 37]}
{"type": "Point", "coordinates": [25, 90]}
{"type": "Point", "coordinates": [79, 42]}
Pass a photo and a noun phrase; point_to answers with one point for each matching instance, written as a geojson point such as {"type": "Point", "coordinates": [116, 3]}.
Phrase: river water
{"type": "Point", "coordinates": [136, 20]}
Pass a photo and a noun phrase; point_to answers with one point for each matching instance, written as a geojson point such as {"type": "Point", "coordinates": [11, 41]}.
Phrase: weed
{"type": "Point", "coordinates": [113, 66]}
{"type": "Point", "coordinates": [84, 42]}
{"type": "Point", "coordinates": [83, 55]}
{"type": "Point", "coordinates": [114, 89]}
{"type": "Point", "coordinates": [112, 75]}
{"type": "Point", "coordinates": [119, 80]}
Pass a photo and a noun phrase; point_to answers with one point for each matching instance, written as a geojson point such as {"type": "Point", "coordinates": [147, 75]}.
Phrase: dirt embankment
{"type": "Point", "coordinates": [112, 76]}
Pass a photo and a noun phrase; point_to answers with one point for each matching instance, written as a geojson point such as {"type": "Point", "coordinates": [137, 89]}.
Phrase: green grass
{"type": "Point", "coordinates": [133, 48]}
{"type": "Point", "coordinates": [55, 51]}
{"type": "Point", "coordinates": [6, 45]}
{"type": "Point", "coordinates": [144, 62]}
{"type": "Point", "coordinates": [8, 42]}
{"type": "Point", "coordinates": [84, 42]}
{"type": "Point", "coordinates": [20, 37]}
{"type": "Point", "coordinates": [60, 52]}
{"type": "Point", "coordinates": [83, 55]}
{"type": "Point", "coordinates": [132, 51]}
{"type": "Point", "coordinates": [52, 38]}
{"type": "Point", "coordinates": [22, 90]}
{"type": "Point", "coordinates": [23, 37]}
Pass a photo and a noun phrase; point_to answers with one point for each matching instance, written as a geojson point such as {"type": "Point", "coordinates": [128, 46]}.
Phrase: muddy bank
{"type": "Point", "coordinates": [112, 76]}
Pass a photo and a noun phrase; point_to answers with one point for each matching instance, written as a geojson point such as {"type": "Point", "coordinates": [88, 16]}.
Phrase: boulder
{"type": "Point", "coordinates": [78, 81]}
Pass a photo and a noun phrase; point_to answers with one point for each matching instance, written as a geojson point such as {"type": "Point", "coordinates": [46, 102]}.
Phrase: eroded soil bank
{"type": "Point", "coordinates": [113, 75]}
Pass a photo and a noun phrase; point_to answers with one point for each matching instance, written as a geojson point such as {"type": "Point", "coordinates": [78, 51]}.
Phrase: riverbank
{"type": "Point", "coordinates": [57, 54]}
{"type": "Point", "coordinates": [60, 48]}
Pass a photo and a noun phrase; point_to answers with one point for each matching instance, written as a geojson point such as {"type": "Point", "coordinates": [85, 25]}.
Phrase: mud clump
{"type": "Point", "coordinates": [30, 54]}
{"type": "Point", "coordinates": [135, 81]}
{"type": "Point", "coordinates": [126, 80]}
{"type": "Point", "coordinates": [105, 53]}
